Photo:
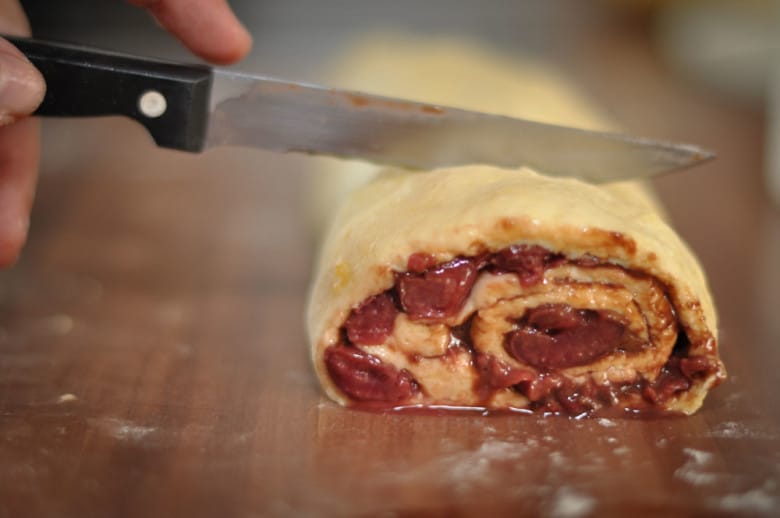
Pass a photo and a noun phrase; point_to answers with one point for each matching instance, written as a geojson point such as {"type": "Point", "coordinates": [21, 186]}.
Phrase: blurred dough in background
{"type": "Point", "coordinates": [726, 44]}
{"type": "Point", "coordinates": [450, 84]}
{"type": "Point", "coordinates": [732, 47]}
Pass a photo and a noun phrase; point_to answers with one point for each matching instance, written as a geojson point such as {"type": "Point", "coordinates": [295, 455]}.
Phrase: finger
{"type": "Point", "coordinates": [21, 85]}
{"type": "Point", "coordinates": [19, 157]}
{"type": "Point", "coordinates": [13, 22]}
{"type": "Point", "coordinates": [21, 90]}
{"type": "Point", "coordinates": [207, 27]}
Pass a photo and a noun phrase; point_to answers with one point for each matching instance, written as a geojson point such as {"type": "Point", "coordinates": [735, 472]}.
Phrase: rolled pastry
{"type": "Point", "coordinates": [504, 289]}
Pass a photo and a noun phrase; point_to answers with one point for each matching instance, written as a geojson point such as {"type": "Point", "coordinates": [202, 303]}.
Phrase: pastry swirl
{"type": "Point", "coordinates": [507, 289]}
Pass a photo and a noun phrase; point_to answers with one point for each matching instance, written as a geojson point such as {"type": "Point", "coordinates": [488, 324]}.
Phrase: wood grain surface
{"type": "Point", "coordinates": [153, 361]}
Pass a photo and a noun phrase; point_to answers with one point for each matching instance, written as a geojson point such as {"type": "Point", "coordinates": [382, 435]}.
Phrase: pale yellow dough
{"type": "Point", "coordinates": [466, 210]}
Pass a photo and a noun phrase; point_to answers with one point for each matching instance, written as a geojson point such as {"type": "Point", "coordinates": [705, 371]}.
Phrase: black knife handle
{"type": "Point", "coordinates": [171, 100]}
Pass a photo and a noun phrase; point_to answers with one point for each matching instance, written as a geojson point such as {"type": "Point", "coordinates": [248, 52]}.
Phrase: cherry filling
{"type": "Point", "coordinates": [364, 377]}
{"type": "Point", "coordinates": [438, 292]}
{"type": "Point", "coordinates": [528, 262]}
{"type": "Point", "coordinates": [373, 321]}
{"type": "Point", "coordinates": [676, 376]}
{"type": "Point", "coordinates": [495, 374]}
{"type": "Point", "coordinates": [558, 336]}
{"type": "Point", "coordinates": [546, 339]}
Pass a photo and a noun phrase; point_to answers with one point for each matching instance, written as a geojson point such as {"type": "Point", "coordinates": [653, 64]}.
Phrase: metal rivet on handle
{"type": "Point", "coordinates": [152, 104]}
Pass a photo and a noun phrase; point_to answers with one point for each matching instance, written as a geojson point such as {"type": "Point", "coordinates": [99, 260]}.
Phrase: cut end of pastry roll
{"type": "Point", "coordinates": [486, 288]}
{"type": "Point", "coordinates": [508, 290]}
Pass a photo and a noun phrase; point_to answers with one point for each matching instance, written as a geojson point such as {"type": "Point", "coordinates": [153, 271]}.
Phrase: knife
{"type": "Point", "coordinates": [194, 107]}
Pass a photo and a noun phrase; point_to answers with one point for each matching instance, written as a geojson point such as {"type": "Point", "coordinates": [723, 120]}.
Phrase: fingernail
{"type": "Point", "coordinates": [21, 87]}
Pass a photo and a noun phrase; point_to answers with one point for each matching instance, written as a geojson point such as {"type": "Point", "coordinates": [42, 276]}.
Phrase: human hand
{"type": "Point", "coordinates": [21, 91]}
{"type": "Point", "coordinates": [207, 27]}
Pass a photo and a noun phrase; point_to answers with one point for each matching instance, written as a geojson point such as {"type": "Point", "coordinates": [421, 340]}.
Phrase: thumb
{"type": "Point", "coordinates": [21, 84]}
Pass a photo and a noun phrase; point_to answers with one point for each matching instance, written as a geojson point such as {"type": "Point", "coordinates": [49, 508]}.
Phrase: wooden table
{"type": "Point", "coordinates": [153, 360]}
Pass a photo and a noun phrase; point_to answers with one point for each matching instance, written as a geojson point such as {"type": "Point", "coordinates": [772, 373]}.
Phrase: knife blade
{"type": "Point", "coordinates": [194, 107]}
